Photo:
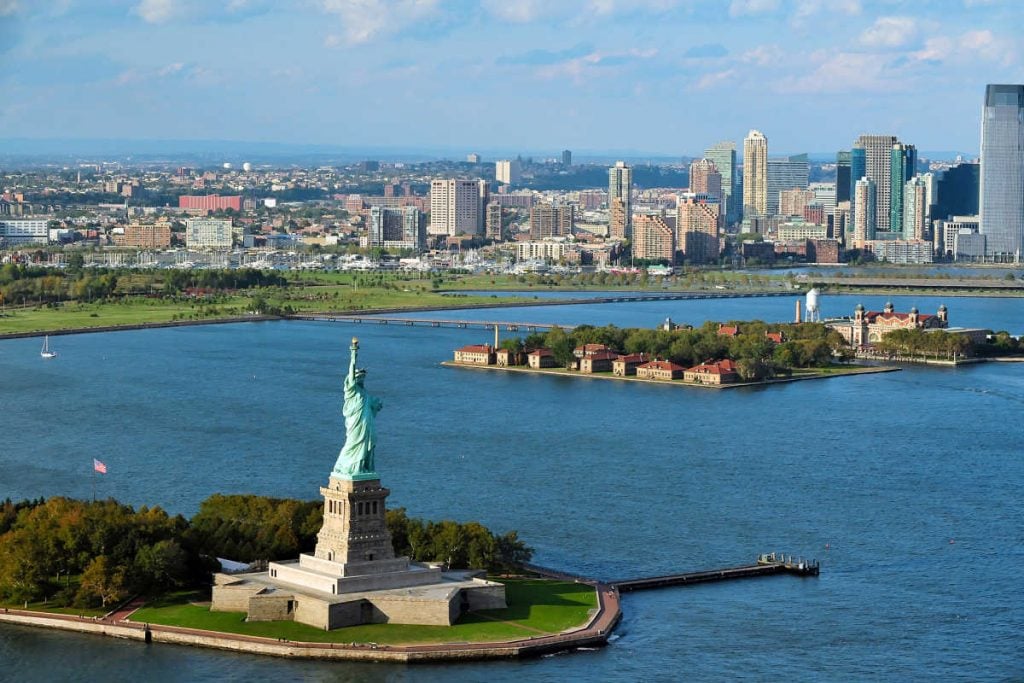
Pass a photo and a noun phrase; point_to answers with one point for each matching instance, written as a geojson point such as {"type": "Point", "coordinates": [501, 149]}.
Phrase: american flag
{"type": "Point", "coordinates": [98, 466]}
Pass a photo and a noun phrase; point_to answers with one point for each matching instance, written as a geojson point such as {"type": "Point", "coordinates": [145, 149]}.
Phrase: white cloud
{"type": "Point", "coordinates": [157, 11]}
{"type": "Point", "coordinates": [805, 9]}
{"type": "Point", "coordinates": [606, 7]}
{"type": "Point", "coordinates": [518, 11]}
{"type": "Point", "coordinates": [170, 69]}
{"type": "Point", "coordinates": [967, 48]}
{"type": "Point", "coordinates": [579, 69]}
{"type": "Point", "coordinates": [763, 55]}
{"type": "Point", "coordinates": [363, 20]}
{"type": "Point", "coordinates": [739, 8]}
{"type": "Point", "coordinates": [889, 32]}
{"type": "Point", "coordinates": [710, 80]}
{"type": "Point", "coordinates": [841, 72]}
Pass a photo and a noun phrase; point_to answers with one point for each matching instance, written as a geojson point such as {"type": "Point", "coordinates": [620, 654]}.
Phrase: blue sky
{"type": "Point", "coordinates": [658, 76]}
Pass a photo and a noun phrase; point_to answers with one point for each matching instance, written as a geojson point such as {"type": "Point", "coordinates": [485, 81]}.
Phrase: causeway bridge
{"type": "Point", "coordinates": [433, 322]}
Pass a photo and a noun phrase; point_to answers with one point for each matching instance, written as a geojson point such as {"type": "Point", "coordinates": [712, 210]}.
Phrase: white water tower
{"type": "Point", "coordinates": [813, 314]}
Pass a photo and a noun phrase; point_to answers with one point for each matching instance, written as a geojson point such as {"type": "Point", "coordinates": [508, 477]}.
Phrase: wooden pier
{"type": "Point", "coordinates": [767, 565]}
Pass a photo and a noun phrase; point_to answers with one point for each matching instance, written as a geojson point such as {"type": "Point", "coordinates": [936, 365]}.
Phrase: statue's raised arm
{"type": "Point", "coordinates": [356, 460]}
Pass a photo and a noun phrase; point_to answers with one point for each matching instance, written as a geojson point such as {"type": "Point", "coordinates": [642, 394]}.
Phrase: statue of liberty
{"type": "Point", "coordinates": [355, 461]}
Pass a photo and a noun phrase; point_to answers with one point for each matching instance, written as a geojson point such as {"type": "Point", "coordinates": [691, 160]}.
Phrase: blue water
{"type": "Point", "coordinates": [603, 478]}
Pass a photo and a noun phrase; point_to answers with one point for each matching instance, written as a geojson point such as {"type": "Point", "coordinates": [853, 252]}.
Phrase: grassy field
{"type": "Point", "coordinates": [536, 607]}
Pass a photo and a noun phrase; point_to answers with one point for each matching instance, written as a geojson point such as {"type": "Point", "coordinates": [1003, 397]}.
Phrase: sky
{"type": "Point", "coordinates": [666, 77]}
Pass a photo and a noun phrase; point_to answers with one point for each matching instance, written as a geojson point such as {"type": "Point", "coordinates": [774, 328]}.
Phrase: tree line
{"type": "Point", "coordinates": [96, 553]}
{"type": "Point", "coordinates": [757, 357]}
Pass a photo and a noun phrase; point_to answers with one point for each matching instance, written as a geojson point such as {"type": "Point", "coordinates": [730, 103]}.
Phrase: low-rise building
{"type": "Point", "coordinates": [660, 369]}
{"type": "Point", "coordinates": [599, 361]}
{"type": "Point", "coordinates": [541, 358]}
{"type": "Point", "coordinates": [475, 354]}
{"type": "Point", "coordinates": [505, 358]}
{"type": "Point", "coordinates": [867, 327]}
{"type": "Point", "coordinates": [627, 364]}
{"type": "Point", "coordinates": [719, 372]}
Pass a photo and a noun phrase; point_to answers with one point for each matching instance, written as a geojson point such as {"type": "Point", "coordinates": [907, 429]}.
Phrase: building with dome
{"type": "Point", "coordinates": [868, 327]}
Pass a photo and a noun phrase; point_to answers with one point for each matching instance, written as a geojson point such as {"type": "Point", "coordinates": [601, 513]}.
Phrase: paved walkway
{"type": "Point", "coordinates": [124, 611]}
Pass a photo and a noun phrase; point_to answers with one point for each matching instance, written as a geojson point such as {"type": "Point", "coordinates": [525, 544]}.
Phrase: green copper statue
{"type": "Point", "coordinates": [355, 461]}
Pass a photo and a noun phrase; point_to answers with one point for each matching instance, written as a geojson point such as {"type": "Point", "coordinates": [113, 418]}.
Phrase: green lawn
{"type": "Point", "coordinates": [535, 607]}
{"type": "Point", "coordinates": [39, 606]}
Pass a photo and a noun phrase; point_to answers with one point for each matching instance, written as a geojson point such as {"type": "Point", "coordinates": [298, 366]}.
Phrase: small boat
{"type": "Point", "coordinates": [46, 352]}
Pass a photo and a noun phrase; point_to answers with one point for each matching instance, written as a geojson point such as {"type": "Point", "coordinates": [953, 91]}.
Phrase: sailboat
{"type": "Point", "coordinates": [46, 352]}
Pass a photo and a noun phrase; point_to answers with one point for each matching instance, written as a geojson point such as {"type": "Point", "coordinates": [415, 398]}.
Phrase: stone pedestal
{"type": "Point", "coordinates": [354, 531]}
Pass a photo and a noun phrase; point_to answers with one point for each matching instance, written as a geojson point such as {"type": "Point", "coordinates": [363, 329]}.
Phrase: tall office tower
{"type": "Point", "coordinates": [492, 222]}
{"type": "Point", "coordinates": [902, 167]}
{"type": "Point", "coordinates": [878, 167]}
{"type": "Point", "coordinates": [698, 220]}
{"type": "Point", "coordinates": [858, 170]}
{"type": "Point", "coordinates": [755, 174]}
{"type": "Point", "coordinates": [507, 171]}
{"type": "Point", "coordinates": [843, 176]}
{"type": "Point", "coordinates": [566, 157]}
{"type": "Point", "coordinates": [456, 206]}
{"type": "Point", "coordinates": [786, 173]}
{"type": "Point", "coordinates": [957, 191]}
{"type": "Point", "coordinates": [824, 194]}
{"type": "Point", "coordinates": [550, 220]}
{"type": "Point", "coordinates": [915, 219]}
{"type": "Point", "coordinates": [1002, 172]}
{"type": "Point", "coordinates": [653, 239]}
{"type": "Point", "coordinates": [865, 200]}
{"type": "Point", "coordinates": [705, 178]}
{"type": "Point", "coordinates": [723, 154]}
{"type": "Point", "coordinates": [620, 190]}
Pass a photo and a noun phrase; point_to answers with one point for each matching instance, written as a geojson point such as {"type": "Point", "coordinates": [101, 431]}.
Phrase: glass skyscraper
{"type": "Point", "coordinates": [1002, 172]}
{"type": "Point", "coordinates": [724, 156]}
{"type": "Point", "coordinates": [858, 170]}
{"type": "Point", "coordinates": [902, 167]}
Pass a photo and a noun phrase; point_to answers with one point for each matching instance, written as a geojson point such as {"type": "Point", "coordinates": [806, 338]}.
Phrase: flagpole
{"type": "Point", "coordinates": [94, 482]}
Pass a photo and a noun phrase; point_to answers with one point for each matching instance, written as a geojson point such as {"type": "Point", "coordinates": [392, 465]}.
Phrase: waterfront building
{"type": "Point", "coordinates": [863, 210]}
{"type": "Point", "coordinates": [868, 327]}
{"type": "Point", "coordinates": [541, 358]}
{"type": "Point", "coordinates": [19, 231]}
{"type": "Point", "coordinates": [877, 160]}
{"type": "Point", "coordinates": [620, 202]}
{"type": "Point", "coordinates": [396, 228]}
{"type": "Point", "coordinates": [960, 238]}
{"type": "Point", "coordinates": [456, 207]}
{"type": "Point", "coordinates": [475, 354]}
{"type": "Point", "coordinates": [783, 174]}
{"type": "Point", "coordinates": [705, 178]}
{"type": "Point", "coordinates": [653, 239]}
{"type": "Point", "coordinates": [145, 236]}
{"type": "Point", "coordinates": [660, 370]}
{"type": "Point", "coordinates": [1002, 172]}
{"type": "Point", "coordinates": [843, 171]}
{"type": "Point", "coordinates": [823, 250]}
{"type": "Point", "coordinates": [903, 252]}
{"type": "Point", "coordinates": [755, 174]}
{"type": "Point", "coordinates": [507, 171]}
{"type": "Point", "coordinates": [723, 155]}
{"type": "Point", "coordinates": [547, 250]}
{"type": "Point", "coordinates": [626, 365]}
{"type": "Point", "coordinates": [716, 373]}
{"type": "Point", "coordinates": [551, 220]}
{"type": "Point", "coordinates": [698, 224]}
{"type": "Point", "coordinates": [902, 167]}
{"type": "Point", "coordinates": [210, 202]}
{"type": "Point", "coordinates": [208, 233]}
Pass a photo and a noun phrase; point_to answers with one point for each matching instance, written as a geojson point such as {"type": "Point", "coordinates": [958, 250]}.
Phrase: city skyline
{"type": "Point", "coordinates": [811, 74]}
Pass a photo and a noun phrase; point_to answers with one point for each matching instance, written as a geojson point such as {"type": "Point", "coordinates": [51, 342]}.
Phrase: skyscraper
{"type": "Point", "coordinates": [915, 219]}
{"type": "Point", "coordinates": [957, 191]}
{"type": "Point", "coordinates": [697, 227]}
{"type": "Point", "coordinates": [877, 151]}
{"type": "Point", "coordinates": [723, 154]}
{"type": "Point", "coordinates": [786, 173]}
{"type": "Point", "coordinates": [705, 178]}
{"type": "Point", "coordinates": [843, 183]}
{"type": "Point", "coordinates": [654, 239]}
{"type": "Point", "coordinates": [456, 206]}
{"type": "Point", "coordinates": [566, 157]}
{"type": "Point", "coordinates": [858, 170]}
{"type": "Point", "coordinates": [620, 203]}
{"type": "Point", "coordinates": [902, 167]}
{"type": "Point", "coordinates": [755, 174]}
{"type": "Point", "coordinates": [864, 211]}
{"type": "Point", "coordinates": [1002, 172]}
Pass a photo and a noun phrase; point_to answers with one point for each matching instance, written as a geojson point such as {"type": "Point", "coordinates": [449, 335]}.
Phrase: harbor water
{"type": "Point", "coordinates": [905, 486]}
